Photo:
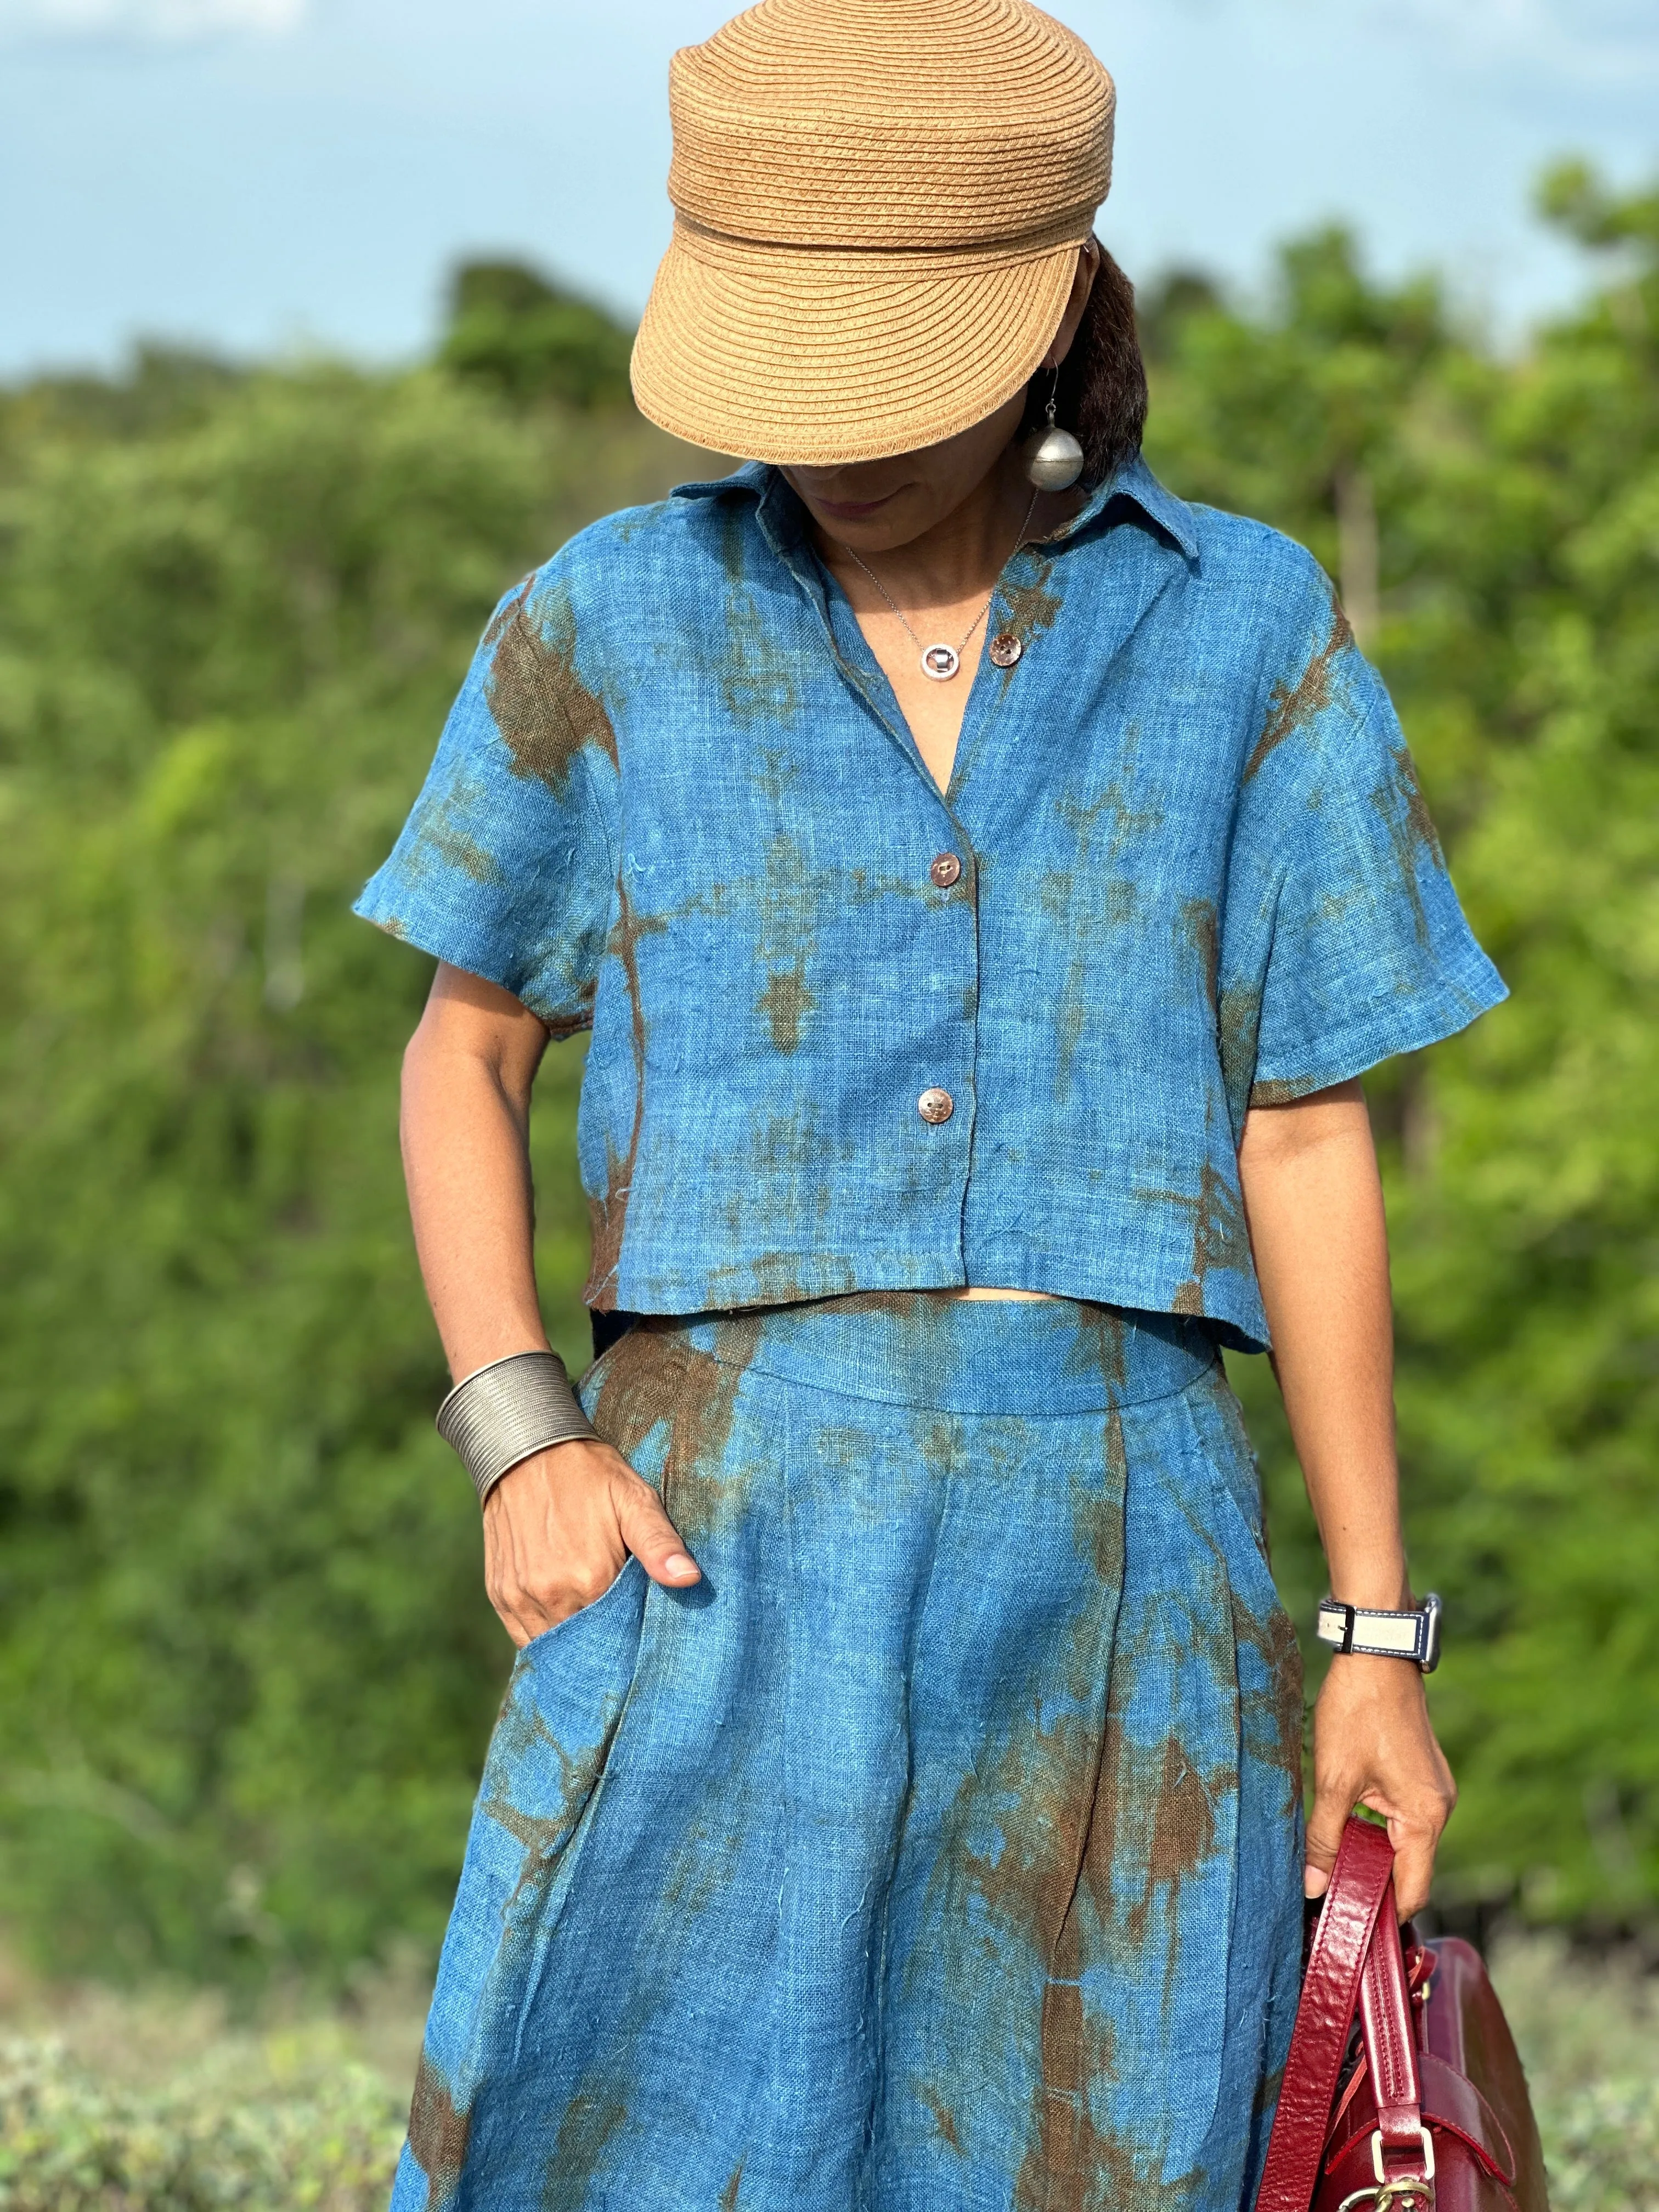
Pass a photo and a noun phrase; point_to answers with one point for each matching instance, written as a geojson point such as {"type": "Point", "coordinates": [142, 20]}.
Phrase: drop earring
{"type": "Point", "coordinates": [1054, 459]}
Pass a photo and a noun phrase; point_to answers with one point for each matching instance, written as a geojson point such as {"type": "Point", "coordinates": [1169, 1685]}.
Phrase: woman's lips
{"type": "Point", "coordinates": [853, 510]}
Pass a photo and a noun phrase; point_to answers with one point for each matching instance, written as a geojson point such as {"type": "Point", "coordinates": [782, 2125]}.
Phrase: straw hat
{"type": "Point", "coordinates": [878, 205]}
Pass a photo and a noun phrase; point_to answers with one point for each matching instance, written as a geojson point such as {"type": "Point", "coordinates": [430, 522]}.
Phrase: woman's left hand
{"type": "Point", "coordinates": [1373, 1745]}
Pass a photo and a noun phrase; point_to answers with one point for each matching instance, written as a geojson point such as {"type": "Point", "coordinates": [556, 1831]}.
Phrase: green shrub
{"type": "Point", "coordinates": [69, 2143]}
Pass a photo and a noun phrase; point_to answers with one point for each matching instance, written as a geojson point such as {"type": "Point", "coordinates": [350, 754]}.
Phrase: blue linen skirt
{"type": "Point", "coordinates": [940, 1851]}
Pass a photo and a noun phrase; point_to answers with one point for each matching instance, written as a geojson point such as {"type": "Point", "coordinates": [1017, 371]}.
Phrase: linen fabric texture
{"type": "Point", "coordinates": [941, 1848]}
{"type": "Point", "coordinates": [677, 801]}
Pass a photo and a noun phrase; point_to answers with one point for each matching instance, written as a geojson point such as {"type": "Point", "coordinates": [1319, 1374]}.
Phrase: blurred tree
{"type": "Point", "coordinates": [245, 1665]}
{"type": "Point", "coordinates": [512, 330]}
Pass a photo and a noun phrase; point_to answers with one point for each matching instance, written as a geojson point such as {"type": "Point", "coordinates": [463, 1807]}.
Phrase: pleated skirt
{"type": "Point", "coordinates": [940, 1851]}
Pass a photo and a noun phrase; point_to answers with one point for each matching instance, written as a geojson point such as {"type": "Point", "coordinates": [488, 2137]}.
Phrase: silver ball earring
{"type": "Point", "coordinates": [1054, 459]}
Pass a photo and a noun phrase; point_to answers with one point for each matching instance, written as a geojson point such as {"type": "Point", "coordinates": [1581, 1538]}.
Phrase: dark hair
{"type": "Point", "coordinates": [1102, 395]}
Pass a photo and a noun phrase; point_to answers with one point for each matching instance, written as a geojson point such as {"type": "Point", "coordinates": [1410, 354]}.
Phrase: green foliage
{"type": "Point", "coordinates": [527, 340]}
{"type": "Point", "coordinates": [69, 2143]}
{"type": "Point", "coordinates": [246, 1664]}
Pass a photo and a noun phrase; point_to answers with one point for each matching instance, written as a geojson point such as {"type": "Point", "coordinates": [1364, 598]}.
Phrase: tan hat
{"type": "Point", "coordinates": [878, 205]}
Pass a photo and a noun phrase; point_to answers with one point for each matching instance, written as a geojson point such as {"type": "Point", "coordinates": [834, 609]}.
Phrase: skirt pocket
{"type": "Point", "coordinates": [546, 1762]}
{"type": "Point", "coordinates": [551, 1741]}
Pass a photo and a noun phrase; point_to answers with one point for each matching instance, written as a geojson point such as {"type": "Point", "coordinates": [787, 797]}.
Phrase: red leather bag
{"type": "Point", "coordinates": [1425, 2104]}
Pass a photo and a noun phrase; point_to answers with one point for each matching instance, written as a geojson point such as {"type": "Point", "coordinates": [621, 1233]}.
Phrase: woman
{"type": "Point", "coordinates": [986, 878]}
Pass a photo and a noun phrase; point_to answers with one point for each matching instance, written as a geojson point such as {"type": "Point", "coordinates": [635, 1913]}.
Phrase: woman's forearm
{"type": "Point", "coordinates": [1315, 1203]}
{"type": "Point", "coordinates": [464, 1126]}
{"type": "Point", "coordinates": [558, 1527]}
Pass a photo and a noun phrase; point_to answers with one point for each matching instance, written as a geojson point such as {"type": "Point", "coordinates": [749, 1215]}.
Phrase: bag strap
{"type": "Point", "coordinates": [1385, 2016]}
{"type": "Point", "coordinates": [1360, 1880]}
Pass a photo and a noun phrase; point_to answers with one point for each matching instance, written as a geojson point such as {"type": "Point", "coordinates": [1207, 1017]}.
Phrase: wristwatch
{"type": "Point", "coordinates": [1415, 1634]}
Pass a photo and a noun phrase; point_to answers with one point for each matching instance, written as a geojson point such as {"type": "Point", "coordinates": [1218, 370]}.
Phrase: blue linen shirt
{"type": "Point", "coordinates": [676, 801]}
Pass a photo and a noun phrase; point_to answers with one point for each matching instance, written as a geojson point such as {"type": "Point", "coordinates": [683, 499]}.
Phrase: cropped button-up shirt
{"type": "Point", "coordinates": [851, 1032]}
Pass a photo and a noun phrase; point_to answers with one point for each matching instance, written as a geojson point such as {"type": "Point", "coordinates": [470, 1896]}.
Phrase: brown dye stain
{"type": "Point", "coordinates": [651, 1377]}
{"type": "Point", "coordinates": [1182, 1837]}
{"type": "Point", "coordinates": [543, 711]}
{"type": "Point", "coordinates": [1398, 799]}
{"type": "Point", "coordinates": [580, 2144]}
{"type": "Point", "coordinates": [707, 1858]}
{"type": "Point", "coordinates": [786, 1002]}
{"type": "Point", "coordinates": [1112, 905]}
{"type": "Point", "coordinates": [608, 1213]}
{"type": "Point", "coordinates": [1267, 2093]}
{"type": "Point", "coordinates": [559, 1026]}
{"type": "Point", "coordinates": [770, 1278]}
{"type": "Point", "coordinates": [944, 2120]}
{"type": "Point", "coordinates": [441, 841]}
{"type": "Point", "coordinates": [1199, 928]}
{"type": "Point", "coordinates": [1032, 608]}
{"type": "Point", "coordinates": [1277, 1093]}
{"type": "Point", "coordinates": [1290, 706]}
{"type": "Point", "coordinates": [1098, 1534]}
{"type": "Point", "coordinates": [729, 529]}
{"type": "Point", "coordinates": [1072, 2164]}
{"type": "Point", "coordinates": [1274, 1736]}
{"type": "Point", "coordinates": [1221, 1237]}
{"type": "Point", "coordinates": [1239, 1025]}
{"type": "Point", "coordinates": [437, 2135]}
{"type": "Point", "coordinates": [1090, 901]}
{"type": "Point", "coordinates": [1149, 1811]}
{"type": "Point", "coordinates": [542, 1837]}
{"type": "Point", "coordinates": [1046, 1777]}
{"type": "Point", "coordinates": [759, 681]}
{"type": "Point", "coordinates": [729, 2193]}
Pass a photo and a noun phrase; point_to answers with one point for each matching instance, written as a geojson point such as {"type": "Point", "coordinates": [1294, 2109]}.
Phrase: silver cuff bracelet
{"type": "Point", "coordinates": [505, 1412]}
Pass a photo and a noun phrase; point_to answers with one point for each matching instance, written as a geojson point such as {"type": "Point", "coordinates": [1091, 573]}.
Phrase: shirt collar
{"type": "Point", "coordinates": [780, 513]}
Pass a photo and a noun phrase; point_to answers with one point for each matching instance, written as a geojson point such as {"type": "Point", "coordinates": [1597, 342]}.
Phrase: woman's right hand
{"type": "Point", "coordinates": [558, 1529]}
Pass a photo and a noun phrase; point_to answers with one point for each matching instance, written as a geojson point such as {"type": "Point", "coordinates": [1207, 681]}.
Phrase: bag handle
{"type": "Point", "coordinates": [1385, 2020]}
{"type": "Point", "coordinates": [1361, 1880]}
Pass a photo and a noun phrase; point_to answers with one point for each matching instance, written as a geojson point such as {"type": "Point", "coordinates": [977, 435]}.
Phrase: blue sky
{"type": "Point", "coordinates": [260, 174]}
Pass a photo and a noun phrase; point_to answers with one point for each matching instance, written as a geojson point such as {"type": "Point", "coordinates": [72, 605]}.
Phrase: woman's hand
{"type": "Point", "coordinates": [1373, 1745]}
{"type": "Point", "coordinates": [558, 1529]}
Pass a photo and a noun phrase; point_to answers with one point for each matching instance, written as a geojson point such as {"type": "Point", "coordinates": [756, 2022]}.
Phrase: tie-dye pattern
{"type": "Point", "coordinates": [939, 1852]}
{"type": "Point", "coordinates": [677, 800]}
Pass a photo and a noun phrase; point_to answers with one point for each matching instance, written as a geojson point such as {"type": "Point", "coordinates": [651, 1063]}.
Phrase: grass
{"type": "Point", "coordinates": [158, 2102]}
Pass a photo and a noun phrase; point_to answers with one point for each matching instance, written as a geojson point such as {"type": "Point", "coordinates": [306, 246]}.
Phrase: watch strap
{"type": "Point", "coordinates": [1370, 1633]}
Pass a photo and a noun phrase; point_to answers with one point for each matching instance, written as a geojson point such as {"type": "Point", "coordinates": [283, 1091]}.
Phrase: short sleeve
{"type": "Point", "coordinates": [1351, 941]}
{"type": "Point", "coordinates": [502, 868]}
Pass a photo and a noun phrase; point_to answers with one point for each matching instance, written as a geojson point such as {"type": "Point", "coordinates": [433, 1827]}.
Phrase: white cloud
{"type": "Point", "coordinates": [146, 22]}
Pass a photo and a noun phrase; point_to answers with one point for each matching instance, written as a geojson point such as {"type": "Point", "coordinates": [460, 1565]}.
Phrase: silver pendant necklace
{"type": "Point", "coordinates": [941, 662]}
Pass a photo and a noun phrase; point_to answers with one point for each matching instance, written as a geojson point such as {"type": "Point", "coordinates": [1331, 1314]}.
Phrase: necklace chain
{"type": "Point", "coordinates": [948, 657]}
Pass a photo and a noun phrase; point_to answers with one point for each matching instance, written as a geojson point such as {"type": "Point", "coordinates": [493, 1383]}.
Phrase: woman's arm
{"type": "Point", "coordinates": [1314, 1204]}
{"type": "Point", "coordinates": [557, 1528]}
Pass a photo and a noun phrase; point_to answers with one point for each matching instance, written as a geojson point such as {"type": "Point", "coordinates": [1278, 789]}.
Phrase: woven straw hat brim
{"type": "Point", "coordinates": [817, 357]}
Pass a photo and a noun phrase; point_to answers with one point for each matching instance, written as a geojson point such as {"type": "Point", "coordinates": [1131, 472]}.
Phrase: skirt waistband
{"type": "Point", "coordinates": [959, 1355]}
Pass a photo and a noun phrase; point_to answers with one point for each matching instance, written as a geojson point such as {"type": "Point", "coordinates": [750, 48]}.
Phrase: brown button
{"type": "Point", "coordinates": [936, 1106]}
{"type": "Point", "coordinates": [945, 870]}
{"type": "Point", "coordinates": [1006, 649]}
